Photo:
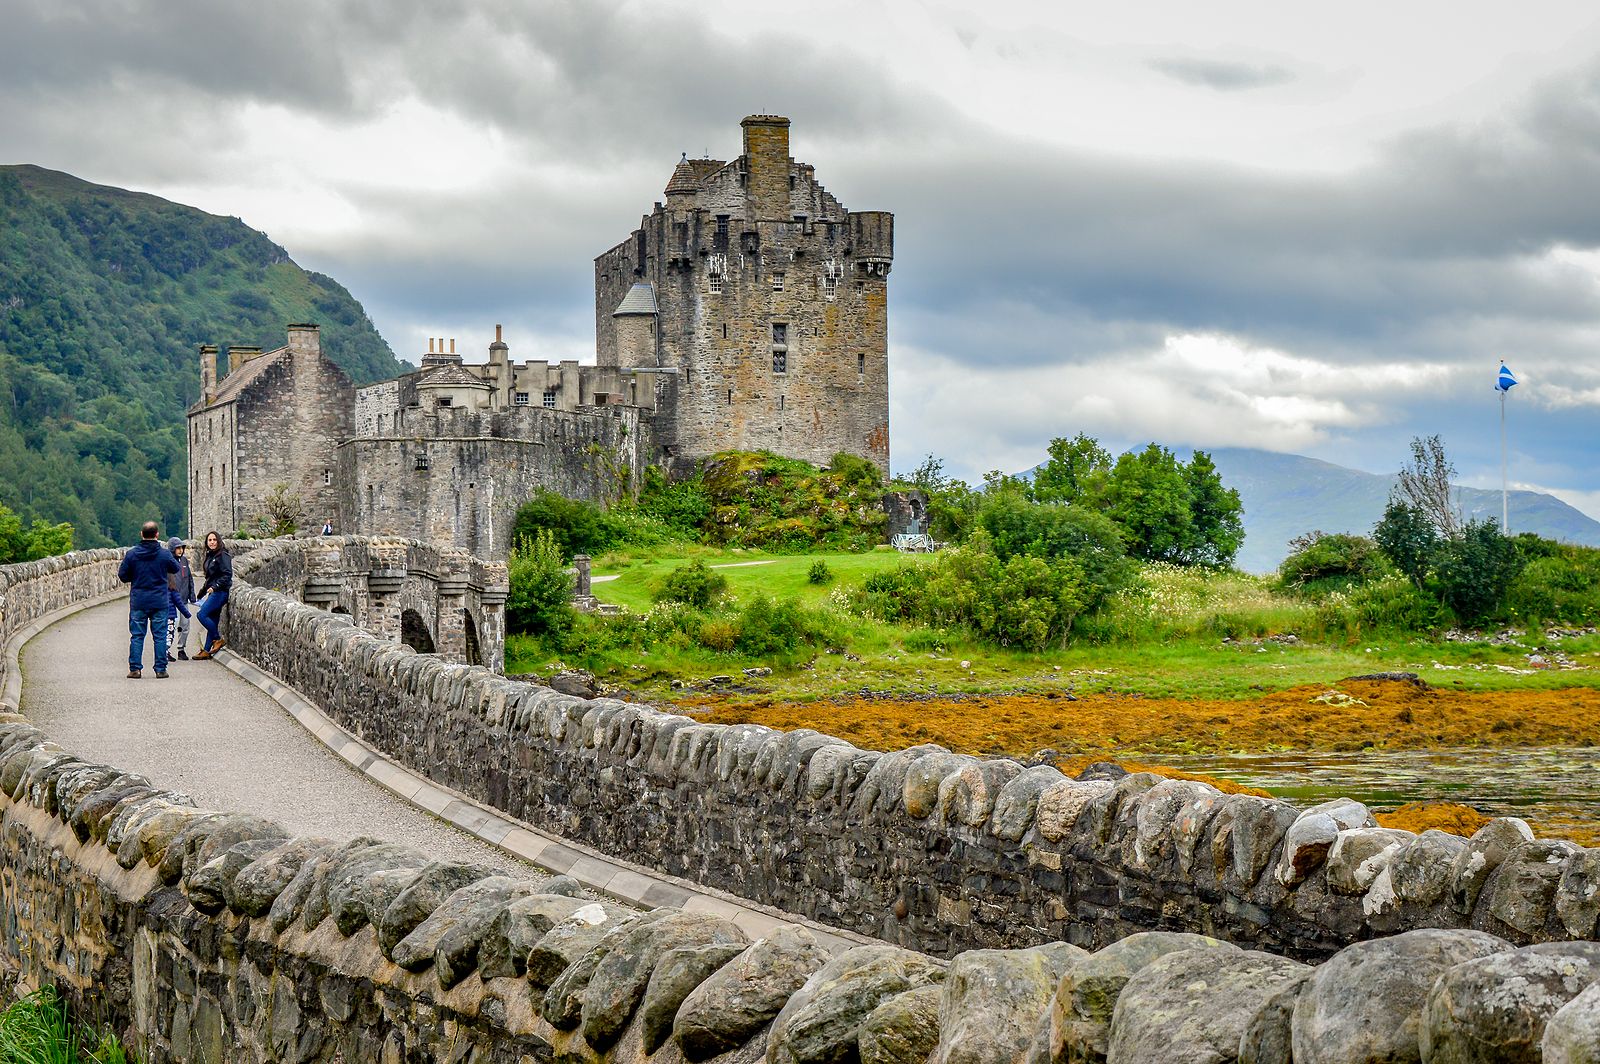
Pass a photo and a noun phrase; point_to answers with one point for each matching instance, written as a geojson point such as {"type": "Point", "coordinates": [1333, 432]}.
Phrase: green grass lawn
{"type": "Point", "coordinates": [1181, 652]}
{"type": "Point", "coordinates": [748, 573]}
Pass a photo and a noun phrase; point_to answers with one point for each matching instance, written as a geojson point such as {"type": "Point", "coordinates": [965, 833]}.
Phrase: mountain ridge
{"type": "Point", "coordinates": [1286, 495]}
{"type": "Point", "coordinates": [105, 294]}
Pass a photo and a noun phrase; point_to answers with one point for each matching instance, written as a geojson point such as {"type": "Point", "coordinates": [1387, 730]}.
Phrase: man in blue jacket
{"type": "Point", "coordinates": [146, 567]}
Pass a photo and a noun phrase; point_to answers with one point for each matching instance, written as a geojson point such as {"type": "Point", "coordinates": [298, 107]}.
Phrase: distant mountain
{"type": "Point", "coordinates": [1285, 495]}
{"type": "Point", "coordinates": [104, 296]}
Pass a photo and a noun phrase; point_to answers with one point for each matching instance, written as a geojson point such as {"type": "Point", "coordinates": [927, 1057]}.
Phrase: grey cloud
{"type": "Point", "coordinates": [1222, 74]}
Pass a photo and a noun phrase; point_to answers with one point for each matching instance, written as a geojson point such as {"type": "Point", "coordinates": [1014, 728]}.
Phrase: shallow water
{"type": "Point", "coordinates": [1556, 788]}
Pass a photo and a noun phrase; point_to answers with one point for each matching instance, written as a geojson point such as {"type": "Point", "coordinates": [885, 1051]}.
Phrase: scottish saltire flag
{"type": "Point", "coordinates": [1506, 381]}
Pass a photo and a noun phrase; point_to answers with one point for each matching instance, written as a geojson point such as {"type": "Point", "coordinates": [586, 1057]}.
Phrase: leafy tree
{"type": "Point", "coordinates": [38, 540]}
{"type": "Point", "coordinates": [1475, 570]}
{"type": "Point", "coordinates": [1216, 513]}
{"type": "Point", "coordinates": [929, 476]}
{"type": "Point", "coordinates": [1077, 471]}
{"type": "Point", "coordinates": [1408, 538]}
{"type": "Point", "coordinates": [1426, 484]}
{"type": "Point", "coordinates": [1149, 496]}
{"type": "Point", "coordinates": [540, 599]}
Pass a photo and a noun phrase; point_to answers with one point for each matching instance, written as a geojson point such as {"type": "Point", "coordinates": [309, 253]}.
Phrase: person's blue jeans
{"type": "Point", "coordinates": [156, 622]}
{"type": "Point", "coordinates": [208, 613]}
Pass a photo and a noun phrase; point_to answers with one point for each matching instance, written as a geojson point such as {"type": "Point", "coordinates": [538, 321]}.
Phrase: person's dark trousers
{"type": "Point", "coordinates": [138, 621]}
{"type": "Point", "coordinates": [208, 613]}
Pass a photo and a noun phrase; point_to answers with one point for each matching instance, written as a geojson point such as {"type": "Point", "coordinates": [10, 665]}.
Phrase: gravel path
{"type": "Point", "coordinates": [206, 732]}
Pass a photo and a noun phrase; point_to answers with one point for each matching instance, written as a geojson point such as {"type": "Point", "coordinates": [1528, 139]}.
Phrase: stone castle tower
{"type": "Point", "coordinates": [764, 304]}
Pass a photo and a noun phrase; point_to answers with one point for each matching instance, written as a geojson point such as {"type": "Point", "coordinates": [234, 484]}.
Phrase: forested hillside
{"type": "Point", "coordinates": [104, 297]}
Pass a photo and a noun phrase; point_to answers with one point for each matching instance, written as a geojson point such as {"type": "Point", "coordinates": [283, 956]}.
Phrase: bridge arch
{"type": "Point", "coordinates": [414, 632]}
{"type": "Point", "coordinates": [474, 649]}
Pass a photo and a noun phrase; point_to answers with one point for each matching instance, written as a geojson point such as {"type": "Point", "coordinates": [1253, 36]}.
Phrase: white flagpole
{"type": "Point", "coordinates": [1505, 508]}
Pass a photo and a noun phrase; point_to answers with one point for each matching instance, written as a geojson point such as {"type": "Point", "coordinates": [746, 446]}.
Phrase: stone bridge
{"type": "Point", "coordinates": [435, 600]}
{"type": "Point", "coordinates": [982, 911]}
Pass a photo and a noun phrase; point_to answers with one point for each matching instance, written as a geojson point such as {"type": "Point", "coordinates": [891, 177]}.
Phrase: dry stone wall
{"type": "Point", "coordinates": [209, 936]}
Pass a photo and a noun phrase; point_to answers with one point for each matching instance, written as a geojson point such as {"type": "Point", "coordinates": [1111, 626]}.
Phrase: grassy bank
{"type": "Point", "coordinates": [1179, 634]}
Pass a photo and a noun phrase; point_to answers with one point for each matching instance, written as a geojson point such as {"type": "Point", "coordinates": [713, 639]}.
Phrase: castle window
{"type": "Point", "coordinates": [549, 398]}
{"type": "Point", "coordinates": [520, 399]}
{"type": "Point", "coordinates": [777, 281]}
{"type": "Point", "coordinates": [861, 366]}
{"type": "Point", "coordinates": [421, 462]}
{"type": "Point", "coordinates": [445, 400]}
{"type": "Point", "coordinates": [716, 284]}
{"type": "Point", "coordinates": [780, 348]}
{"type": "Point", "coordinates": [799, 224]}
{"type": "Point", "coordinates": [724, 330]}
{"type": "Point", "coordinates": [780, 403]}
{"type": "Point", "coordinates": [722, 232]}
{"type": "Point", "coordinates": [224, 474]}
{"type": "Point", "coordinates": [830, 287]}
{"type": "Point", "coordinates": [327, 477]}
{"type": "Point", "coordinates": [730, 396]}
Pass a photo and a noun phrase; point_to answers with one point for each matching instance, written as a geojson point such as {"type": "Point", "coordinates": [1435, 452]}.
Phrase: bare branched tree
{"type": "Point", "coordinates": [1425, 483]}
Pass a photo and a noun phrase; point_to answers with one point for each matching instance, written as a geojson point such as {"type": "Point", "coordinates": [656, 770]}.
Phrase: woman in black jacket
{"type": "Point", "coordinates": [214, 595]}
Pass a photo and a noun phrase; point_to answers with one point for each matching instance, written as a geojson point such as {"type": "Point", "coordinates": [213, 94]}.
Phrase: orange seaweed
{"type": "Point", "coordinates": [1453, 817]}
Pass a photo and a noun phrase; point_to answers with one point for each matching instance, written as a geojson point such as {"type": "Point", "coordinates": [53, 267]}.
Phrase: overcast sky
{"type": "Point", "coordinates": [1314, 230]}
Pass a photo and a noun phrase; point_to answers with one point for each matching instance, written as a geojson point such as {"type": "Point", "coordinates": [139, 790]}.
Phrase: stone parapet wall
{"type": "Point", "coordinates": [32, 590]}
{"type": "Point", "coordinates": [208, 936]}
{"type": "Point", "coordinates": [201, 936]}
{"type": "Point", "coordinates": [924, 848]}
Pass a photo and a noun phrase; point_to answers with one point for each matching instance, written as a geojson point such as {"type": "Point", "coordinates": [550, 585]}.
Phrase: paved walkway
{"type": "Point", "coordinates": [237, 740]}
{"type": "Point", "coordinates": [208, 733]}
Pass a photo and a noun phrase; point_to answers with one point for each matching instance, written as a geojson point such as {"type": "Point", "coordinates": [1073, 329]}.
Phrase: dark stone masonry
{"type": "Point", "coordinates": [210, 936]}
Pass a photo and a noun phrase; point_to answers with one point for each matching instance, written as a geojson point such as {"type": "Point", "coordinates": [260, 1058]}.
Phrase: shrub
{"type": "Point", "coordinates": [694, 585]}
{"type": "Point", "coordinates": [1023, 601]}
{"type": "Point", "coordinates": [575, 526]}
{"type": "Point", "coordinates": [718, 633]}
{"type": "Point", "coordinates": [819, 573]}
{"type": "Point", "coordinates": [1474, 571]}
{"type": "Point", "coordinates": [681, 505]}
{"type": "Point", "coordinates": [769, 629]}
{"type": "Point", "coordinates": [540, 599]}
{"type": "Point", "coordinates": [1326, 561]}
{"type": "Point", "coordinates": [1051, 531]}
{"type": "Point", "coordinates": [1389, 604]}
{"type": "Point", "coordinates": [1560, 585]}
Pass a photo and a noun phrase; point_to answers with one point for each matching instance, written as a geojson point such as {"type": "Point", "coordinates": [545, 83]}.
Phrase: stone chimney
{"type": "Point", "coordinates": [766, 153]}
{"type": "Point", "coordinates": [238, 355]}
{"type": "Point", "coordinates": [305, 341]}
{"type": "Point", "coordinates": [208, 372]}
{"type": "Point", "coordinates": [499, 351]}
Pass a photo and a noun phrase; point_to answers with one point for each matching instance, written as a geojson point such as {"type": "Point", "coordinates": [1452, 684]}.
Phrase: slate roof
{"type": "Point", "coordinates": [452, 377]}
{"type": "Point", "coordinates": [690, 174]}
{"type": "Point", "coordinates": [641, 299]}
{"type": "Point", "coordinates": [229, 388]}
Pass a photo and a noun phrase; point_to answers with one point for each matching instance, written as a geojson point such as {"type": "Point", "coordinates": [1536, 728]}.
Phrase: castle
{"type": "Point", "coordinates": [750, 311]}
